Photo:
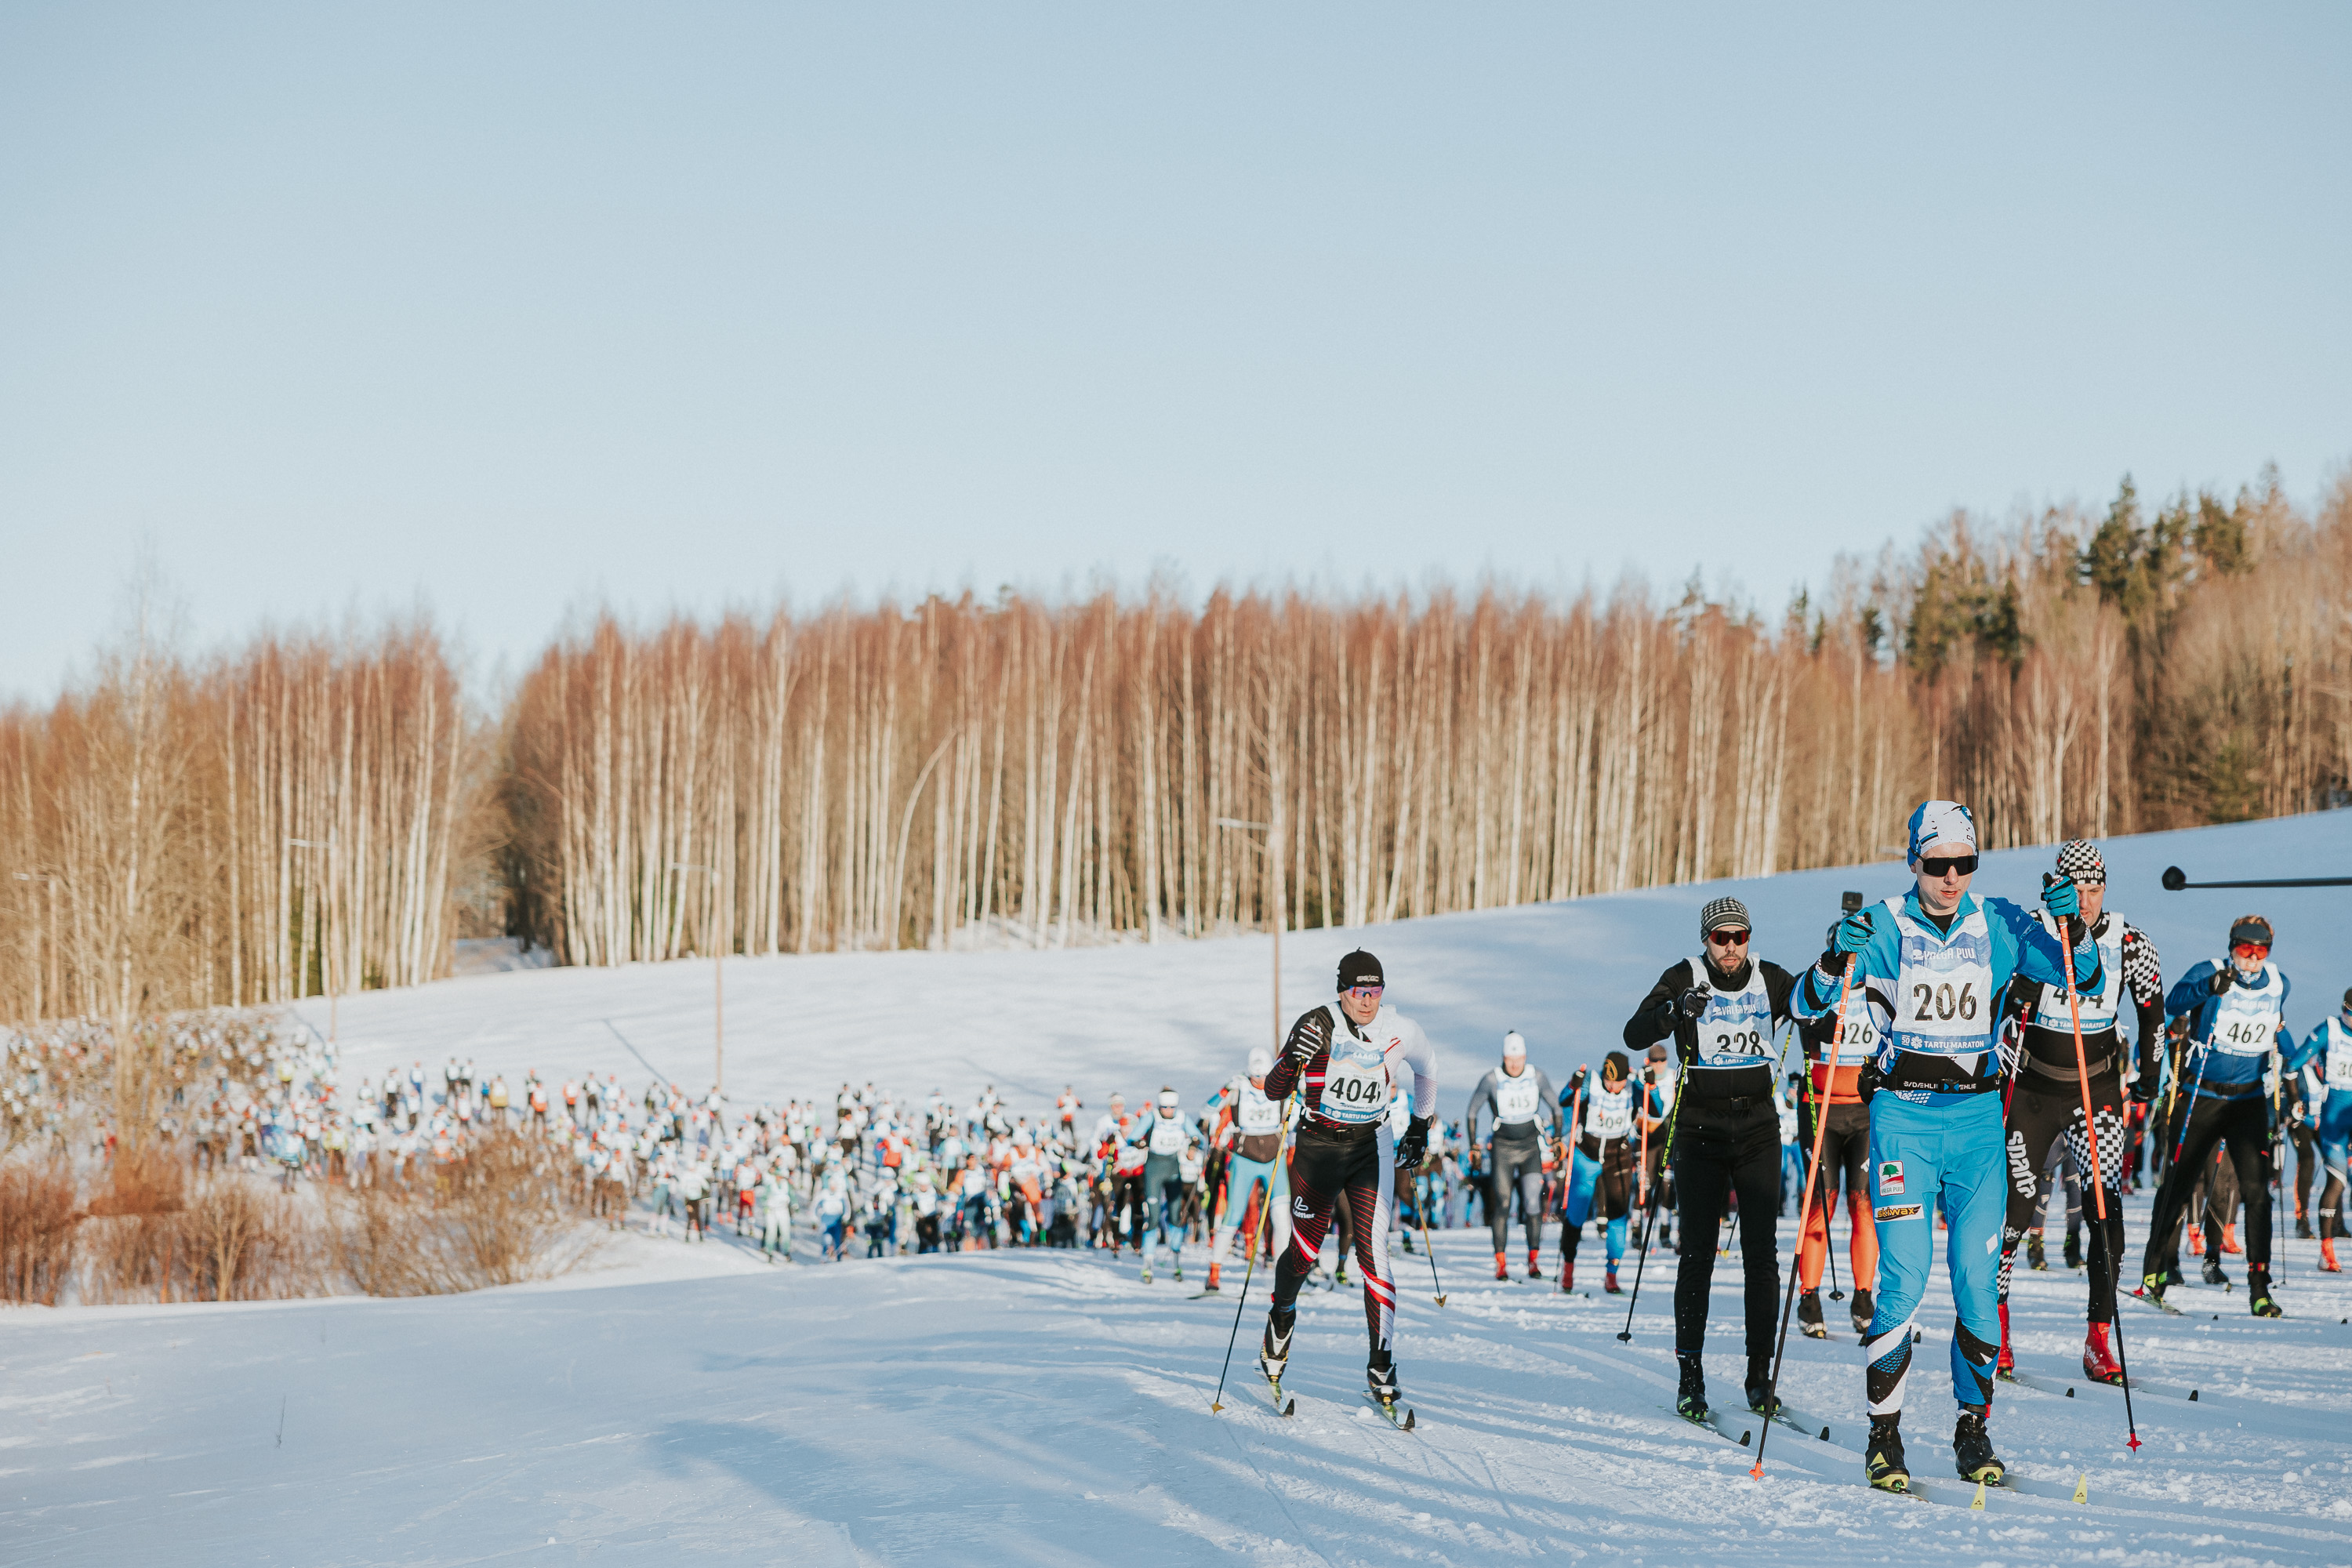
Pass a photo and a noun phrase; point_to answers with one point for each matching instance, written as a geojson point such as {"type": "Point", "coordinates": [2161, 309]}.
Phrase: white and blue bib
{"type": "Point", "coordinates": [1355, 1078]}
{"type": "Point", "coordinates": [1736, 1030]}
{"type": "Point", "coordinates": [2099, 1007]}
{"type": "Point", "coordinates": [1944, 1002]}
{"type": "Point", "coordinates": [2246, 1019]}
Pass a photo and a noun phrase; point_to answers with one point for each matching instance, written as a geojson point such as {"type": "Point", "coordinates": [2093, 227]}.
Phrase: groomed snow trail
{"type": "Point", "coordinates": [1046, 1407]}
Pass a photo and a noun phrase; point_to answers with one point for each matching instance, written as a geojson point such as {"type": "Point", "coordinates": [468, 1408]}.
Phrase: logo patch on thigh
{"type": "Point", "coordinates": [1899, 1210]}
{"type": "Point", "coordinates": [1890, 1178]}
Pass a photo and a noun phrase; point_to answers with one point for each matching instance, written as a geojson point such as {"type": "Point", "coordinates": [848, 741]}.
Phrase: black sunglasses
{"type": "Point", "coordinates": [1937, 865]}
{"type": "Point", "coordinates": [1727, 938]}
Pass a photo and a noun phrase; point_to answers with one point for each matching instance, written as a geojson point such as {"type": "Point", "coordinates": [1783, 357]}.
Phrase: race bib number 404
{"type": "Point", "coordinates": [1356, 1087]}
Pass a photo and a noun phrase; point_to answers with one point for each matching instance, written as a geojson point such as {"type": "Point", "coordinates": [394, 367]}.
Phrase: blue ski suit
{"type": "Point", "coordinates": [1936, 1137]}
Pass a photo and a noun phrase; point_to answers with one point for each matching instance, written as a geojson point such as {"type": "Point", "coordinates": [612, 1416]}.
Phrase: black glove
{"type": "Point", "coordinates": [1309, 1038]}
{"type": "Point", "coordinates": [2223, 976]}
{"type": "Point", "coordinates": [1865, 1082]}
{"type": "Point", "coordinates": [1413, 1147]}
{"type": "Point", "coordinates": [1693, 1002]}
{"type": "Point", "coordinates": [2143, 1088]}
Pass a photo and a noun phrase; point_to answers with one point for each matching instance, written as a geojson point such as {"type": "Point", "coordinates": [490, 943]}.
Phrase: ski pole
{"type": "Point", "coordinates": [1812, 1173]}
{"type": "Point", "coordinates": [2099, 1179]}
{"type": "Point", "coordinates": [1436, 1289]}
{"type": "Point", "coordinates": [1216, 1400]}
{"type": "Point", "coordinates": [1650, 1214]}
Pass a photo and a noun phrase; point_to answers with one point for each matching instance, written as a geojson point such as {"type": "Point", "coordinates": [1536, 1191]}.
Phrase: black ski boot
{"type": "Point", "coordinates": [1273, 1349]}
{"type": "Point", "coordinates": [1808, 1315]}
{"type": "Point", "coordinates": [2258, 1295]}
{"type": "Point", "coordinates": [2302, 1227]}
{"type": "Point", "coordinates": [1882, 1459]}
{"type": "Point", "coordinates": [2172, 1275]}
{"type": "Point", "coordinates": [2153, 1285]}
{"type": "Point", "coordinates": [2213, 1275]}
{"type": "Point", "coordinates": [1379, 1378]}
{"type": "Point", "coordinates": [1972, 1448]}
{"type": "Point", "coordinates": [2073, 1249]}
{"type": "Point", "coordinates": [2034, 1257]}
{"type": "Point", "coordinates": [1864, 1309]}
{"type": "Point", "coordinates": [1690, 1398]}
{"type": "Point", "coordinates": [1759, 1387]}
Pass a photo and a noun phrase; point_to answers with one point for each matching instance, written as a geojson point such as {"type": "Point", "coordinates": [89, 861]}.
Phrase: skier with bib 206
{"type": "Point", "coordinates": [1349, 1058]}
{"type": "Point", "coordinates": [2045, 1103]}
{"type": "Point", "coordinates": [1605, 1165]}
{"type": "Point", "coordinates": [1722, 1011]}
{"type": "Point", "coordinates": [1936, 961]}
{"type": "Point", "coordinates": [1521, 1099]}
{"type": "Point", "coordinates": [2237, 1009]}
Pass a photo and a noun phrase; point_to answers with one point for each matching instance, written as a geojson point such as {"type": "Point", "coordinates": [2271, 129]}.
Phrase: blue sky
{"type": "Point", "coordinates": [506, 309]}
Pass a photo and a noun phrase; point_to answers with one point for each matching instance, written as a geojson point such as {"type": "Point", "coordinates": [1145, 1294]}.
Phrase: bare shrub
{"type": "Point", "coordinates": [246, 1243]}
{"type": "Point", "coordinates": [502, 1214]}
{"type": "Point", "coordinates": [37, 1222]}
{"type": "Point", "coordinates": [146, 1180]}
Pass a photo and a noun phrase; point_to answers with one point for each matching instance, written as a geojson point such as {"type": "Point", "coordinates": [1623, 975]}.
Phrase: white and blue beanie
{"type": "Point", "coordinates": [1941, 822]}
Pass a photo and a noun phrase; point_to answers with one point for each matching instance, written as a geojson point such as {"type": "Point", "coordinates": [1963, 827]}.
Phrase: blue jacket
{"type": "Point", "coordinates": [2021, 945]}
{"type": "Point", "coordinates": [2231, 1074]}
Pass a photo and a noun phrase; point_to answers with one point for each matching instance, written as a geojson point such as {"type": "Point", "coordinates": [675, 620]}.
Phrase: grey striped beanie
{"type": "Point", "coordinates": [1723, 914]}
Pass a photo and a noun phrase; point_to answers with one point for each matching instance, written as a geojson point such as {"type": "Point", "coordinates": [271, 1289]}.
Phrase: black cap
{"type": "Point", "coordinates": [1359, 968]}
{"type": "Point", "coordinates": [1614, 1065]}
{"type": "Point", "coordinates": [2251, 928]}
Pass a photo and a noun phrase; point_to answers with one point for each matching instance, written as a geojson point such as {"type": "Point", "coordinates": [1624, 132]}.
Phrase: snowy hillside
{"type": "Point", "coordinates": [1043, 1407]}
{"type": "Point", "coordinates": [1134, 1017]}
{"type": "Point", "coordinates": [1047, 1407]}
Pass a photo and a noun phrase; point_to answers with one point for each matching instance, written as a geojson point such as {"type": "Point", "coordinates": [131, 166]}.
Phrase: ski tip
{"type": "Point", "coordinates": [1408, 1421]}
{"type": "Point", "coordinates": [2083, 1488]}
{"type": "Point", "coordinates": [2192, 1396]}
{"type": "Point", "coordinates": [1977, 1502]}
{"type": "Point", "coordinates": [2070, 1391]}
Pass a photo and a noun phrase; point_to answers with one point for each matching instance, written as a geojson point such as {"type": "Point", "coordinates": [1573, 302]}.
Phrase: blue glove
{"type": "Point", "coordinates": [2059, 896]}
{"type": "Point", "coordinates": [1854, 931]}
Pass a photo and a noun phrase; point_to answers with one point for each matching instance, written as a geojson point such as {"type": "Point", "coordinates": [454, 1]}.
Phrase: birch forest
{"type": "Point", "coordinates": [325, 811]}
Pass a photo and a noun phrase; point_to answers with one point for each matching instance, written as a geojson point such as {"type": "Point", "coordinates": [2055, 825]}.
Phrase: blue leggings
{"type": "Point", "coordinates": [1924, 1158]}
{"type": "Point", "coordinates": [2335, 1139]}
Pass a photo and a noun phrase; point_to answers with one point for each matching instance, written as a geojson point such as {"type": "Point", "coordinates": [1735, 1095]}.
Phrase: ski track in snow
{"type": "Point", "coordinates": [1048, 1408]}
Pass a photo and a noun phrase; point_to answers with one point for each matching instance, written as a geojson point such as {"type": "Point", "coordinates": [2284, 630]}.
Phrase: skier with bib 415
{"type": "Point", "coordinates": [1936, 961]}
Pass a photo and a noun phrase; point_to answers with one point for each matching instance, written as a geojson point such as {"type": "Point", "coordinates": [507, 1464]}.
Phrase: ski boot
{"type": "Point", "coordinates": [1610, 1284]}
{"type": "Point", "coordinates": [1381, 1387]}
{"type": "Point", "coordinates": [1502, 1267]}
{"type": "Point", "coordinates": [1407, 1234]}
{"type": "Point", "coordinates": [1213, 1277]}
{"type": "Point", "coordinates": [2259, 1299]}
{"type": "Point", "coordinates": [1180, 1273]}
{"type": "Point", "coordinates": [1758, 1387]}
{"type": "Point", "coordinates": [1882, 1458]}
{"type": "Point", "coordinates": [2327, 1264]}
{"type": "Point", "coordinates": [2213, 1275]}
{"type": "Point", "coordinates": [1535, 1264]}
{"type": "Point", "coordinates": [1809, 1314]}
{"type": "Point", "coordinates": [2005, 1363]}
{"type": "Point", "coordinates": [2073, 1249]}
{"type": "Point", "coordinates": [1567, 1275]}
{"type": "Point", "coordinates": [1274, 1352]}
{"type": "Point", "coordinates": [1340, 1275]}
{"type": "Point", "coordinates": [2035, 1259]}
{"type": "Point", "coordinates": [1972, 1448]}
{"type": "Point", "coordinates": [2152, 1286]}
{"type": "Point", "coordinates": [1147, 1273]}
{"type": "Point", "coordinates": [1862, 1311]}
{"type": "Point", "coordinates": [1690, 1395]}
{"type": "Point", "coordinates": [2229, 1241]}
{"type": "Point", "coordinates": [2302, 1227]}
{"type": "Point", "coordinates": [2172, 1275]}
{"type": "Point", "coordinates": [2098, 1366]}
{"type": "Point", "coordinates": [2195, 1240]}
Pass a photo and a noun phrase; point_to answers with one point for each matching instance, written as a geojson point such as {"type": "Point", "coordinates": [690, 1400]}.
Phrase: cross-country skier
{"type": "Point", "coordinates": [2238, 1008]}
{"type": "Point", "coordinates": [1251, 1131]}
{"type": "Point", "coordinates": [1346, 1058]}
{"type": "Point", "coordinates": [1521, 1099]}
{"type": "Point", "coordinates": [1165, 1139]}
{"type": "Point", "coordinates": [1603, 1165]}
{"type": "Point", "coordinates": [1937, 960]}
{"type": "Point", "coordinates": [1722, 1011]}
{"type": "Point", "coordinates": [2329, 1049]}
{"type": "Point", "coordinates": [1845, 1160]}
{"type": "Point", "coordinates": [2045, 1101]}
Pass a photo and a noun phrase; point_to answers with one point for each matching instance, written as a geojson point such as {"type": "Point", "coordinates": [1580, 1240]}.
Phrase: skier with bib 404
{"type": "Point", "coordinates": [2237, 1009]}
{"type": "Point", "coordinates": [1936, 961]}
{"type": "Point", "coordinates": [1520, 1098]}
{"type": "Point", "coordinates": [1722, 1011]}
{"type": "Point", "coordinates": [1347, 1059]}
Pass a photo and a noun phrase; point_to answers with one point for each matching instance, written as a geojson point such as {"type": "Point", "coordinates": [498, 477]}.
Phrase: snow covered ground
{"type": "Point", "coordinates": [1132, 1017]}
{"type": "Point", "coordinates": [1047, 1407]}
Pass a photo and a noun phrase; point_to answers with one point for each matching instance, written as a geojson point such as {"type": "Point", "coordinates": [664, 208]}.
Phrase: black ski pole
{"type": "Point", "coordinates": [1650, 1216]}
{"type": "Point", "coordinates": [1216, 1400]}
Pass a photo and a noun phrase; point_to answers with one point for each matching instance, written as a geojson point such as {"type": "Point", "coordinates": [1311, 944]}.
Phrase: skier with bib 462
{"type": "Point", "coordinates": [1936, 961]}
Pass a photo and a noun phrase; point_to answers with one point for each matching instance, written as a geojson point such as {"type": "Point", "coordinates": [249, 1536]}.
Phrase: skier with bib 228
{"type": "Point", "coordinates": [1521, 1099]}
{"type": "Point", "coordinates": [1936, 961]}
{"type": "Point", "coordinates": [1722, 1011]}
{"type": "Point", "coordinates": [1346, 1058]}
